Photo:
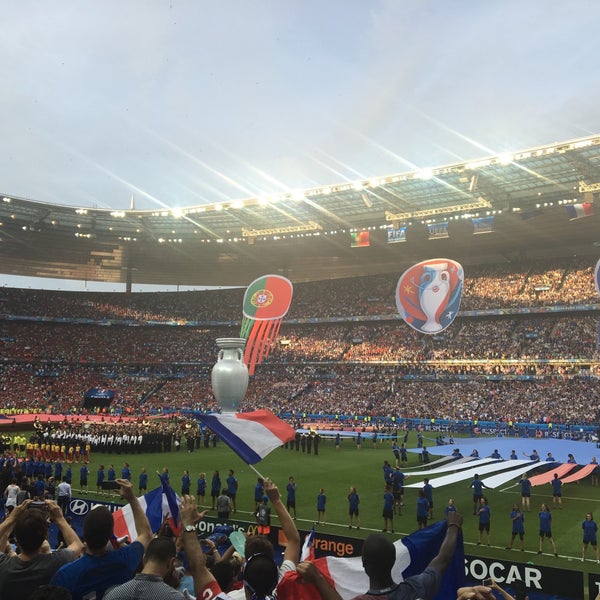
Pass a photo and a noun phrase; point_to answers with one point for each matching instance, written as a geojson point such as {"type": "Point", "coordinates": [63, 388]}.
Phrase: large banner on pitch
{"type": "Point", "coordinates": [542, 583]}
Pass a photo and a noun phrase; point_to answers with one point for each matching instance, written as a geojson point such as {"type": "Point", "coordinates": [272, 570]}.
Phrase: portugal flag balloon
{"type": "Point", "coordinates": [428, 294]}
{"type": "Point", "coordinates": [266, 302]}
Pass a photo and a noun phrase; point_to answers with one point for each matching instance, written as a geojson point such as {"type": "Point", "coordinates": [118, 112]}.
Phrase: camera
{"type": "Point", "coordinates": [109, 485]}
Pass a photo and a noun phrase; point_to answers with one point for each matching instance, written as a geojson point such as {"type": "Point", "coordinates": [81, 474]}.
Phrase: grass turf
{"type": "Point", "coordinates": [337, 470]}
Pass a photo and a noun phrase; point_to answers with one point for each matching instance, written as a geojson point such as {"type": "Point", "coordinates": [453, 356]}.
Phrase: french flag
{"type": "Point", "coordinates": [159, 504]}
{"type": "Point", "coordinates": [250, 435]}
{"type": "Point", "coordinates": [308, 550]}
{"type": "Point", "coordinates": [413, 554]}
{"type": "Point", "coordinates": [576, 211]}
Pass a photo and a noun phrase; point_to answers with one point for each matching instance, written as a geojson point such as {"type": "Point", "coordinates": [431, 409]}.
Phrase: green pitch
{"type": "Point", "coordinates": [337, 470]}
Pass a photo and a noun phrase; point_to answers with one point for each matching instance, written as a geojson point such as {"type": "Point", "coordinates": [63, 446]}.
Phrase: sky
{"type": "Point", "coordinates": [181, 103]}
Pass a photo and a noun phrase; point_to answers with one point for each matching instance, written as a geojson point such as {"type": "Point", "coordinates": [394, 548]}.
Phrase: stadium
{"type": "Point", "coordinates": [129, 373]}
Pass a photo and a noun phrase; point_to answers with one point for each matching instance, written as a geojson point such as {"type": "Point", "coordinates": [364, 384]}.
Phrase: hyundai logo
{"type": "Point", "coordinates": [79, 507]}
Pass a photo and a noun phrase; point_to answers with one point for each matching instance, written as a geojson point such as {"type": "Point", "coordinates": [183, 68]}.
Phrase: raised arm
{"type": "Point", "coordinates": [7, 525]}
{"type": "Point", "coordinates": [72, 541]}
{"type": "Point", "coordinates": [203, 578]}
{"type": "Point", "coordinates": [441, 562]}
{"type": "Point", "coordinates": [142, 525]}
{"type": "Point", "coordinates": [292, 550]}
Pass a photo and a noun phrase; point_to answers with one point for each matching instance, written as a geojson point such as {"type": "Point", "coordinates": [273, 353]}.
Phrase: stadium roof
{"type": "Point", "coordinates": [305, 234]}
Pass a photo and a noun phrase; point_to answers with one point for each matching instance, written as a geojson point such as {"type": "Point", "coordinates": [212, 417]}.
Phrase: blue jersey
{"type": "Point", "coordinates": [100, 476]}
{"type": "Point", "coordinates": [422, 507]}
{"type": "Point", "coordinates": [449, 509]}
{"type": "Point", "coordinates": [232, 485]}
{"type": "Point", "coordinates": [388, 502]}
{"type": "Point", "coordinates": [484, 515]}
{"type": "Point", "coordinates": [353, 501]}
{"type": "Point", "coordinates": [545, 521]}
{"type": "Point", "coordinates": [321, 500]}
{"type": "Point", "coordinates": [428, 491]}
{"type": "Point", "coordinates": [517, 521]}
{"type": "Point", "coordinates": [590, 530]}
{"type": "Point", "coordinates": [111, 475]}
{"type": "Point", "coordinates": [291, 492]}
{"type": "Point", "coordinates": [556, 487]}
{"type": "Point", "coordinates": [477, 486]}
{"type": "Point", "coordinates": [126, 473]}
{"type": "Point", "coordinates": [398, 480]}
{"type": "Point", "coordinates": [201, 486]}
{"type": "Point", "coordinates": [185, 484]}
{"type": "Point", "coordinates": [143, 480]}
{"type": "Point", "coordinates": [525, 486]}
{"type": "Point", "coordinates": [259, 492]}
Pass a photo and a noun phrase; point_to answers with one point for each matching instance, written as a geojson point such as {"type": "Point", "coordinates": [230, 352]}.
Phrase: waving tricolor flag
{"type": "Point", "coordinates": [266, 302]}
{"type": "Point", "coordinates": [250, 435]}
{"type": "Point", "coordinates": [413, 555]}
{"type": "Point", "coordinates": [159, 504]}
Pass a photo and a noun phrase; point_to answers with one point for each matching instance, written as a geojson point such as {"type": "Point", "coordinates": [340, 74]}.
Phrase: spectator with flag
{"type": "Point", "coordinates": [379, 557]}
{"type": "Point", "coordinates": [97, 570]}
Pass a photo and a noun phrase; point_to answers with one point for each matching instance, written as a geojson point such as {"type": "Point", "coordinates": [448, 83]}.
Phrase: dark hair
{"type": "Point", "coordinates": [98, 527]}
{"type": "Point", "coordinates": [161, 549]}
{"type": "Point", "coordinates": [259, 544]}
{"type": "Point", "coordinates": [378, 555]}
{"type": "Point", "coordinates": [30, 530]}
{"type": "Point", "coordinates": [50, 592]}
{"type": "Point", "coordinates": [224, 574]}
{"type": "Point", "coordinates": [260, 575]}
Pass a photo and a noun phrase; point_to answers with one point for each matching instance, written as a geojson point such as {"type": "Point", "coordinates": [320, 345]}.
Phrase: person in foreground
{"type": "Point", "coordinates": [159, 564]}
{"type": "Point", "coordinates": [379, 556]}
{"type": "Point", "coordinates": [100, 569]}
{"type": "Point", "coordinates": [21, 574]}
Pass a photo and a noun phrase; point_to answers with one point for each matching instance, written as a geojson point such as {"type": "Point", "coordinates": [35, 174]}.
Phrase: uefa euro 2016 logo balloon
{"type": "Point", "coordinates": [428, 294]}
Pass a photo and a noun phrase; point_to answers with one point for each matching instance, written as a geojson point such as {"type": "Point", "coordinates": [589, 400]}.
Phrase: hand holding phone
{"type": "Point", "coordinates": [109, 485]}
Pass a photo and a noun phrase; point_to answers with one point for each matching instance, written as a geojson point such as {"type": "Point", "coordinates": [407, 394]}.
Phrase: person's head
{"type": "Point", "coordinates": [545, 507]}
{"type": "Point", "coordinates": [51, 592]}
{"type": "Point", "coordinates": [259, 544]}
{"type": "Point", "coordinates": [483, 501]}
{"type": "Point", "coordinates": [515, 506]}
{"type": "Point", "coordinates": [260, 576]}
{"type": "Point", "coordinates": [98, 528]}
{"type": "Point", "coordinates": [476, 476]}
{"type": "Point", "coordinates": [31, 530]}
{"type": "Point", "coordinates": [425, 481]}
{"type": "Point", "coordinates": [378, 556]}
{"type": "Point", "coordinates": [451, 502]}
{"type": "Point", "coordinates": [161, 551]}
{"type": "Point", "coordinates": [202, 475]}
{"type": "Point", "coordinates": [224, 572]}
{"type": "Point", "coordinates": [101, 467]}
{"type": "Point", "coordinates": [260, 481]}
{"type": "Point", "coordinates": [589, 516]}
{"type": "Point", "coordinates": [321, 491]}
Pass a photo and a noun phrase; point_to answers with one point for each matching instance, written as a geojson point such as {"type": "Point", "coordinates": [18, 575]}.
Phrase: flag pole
{"type": "Point", "coordinates": [256, 471]}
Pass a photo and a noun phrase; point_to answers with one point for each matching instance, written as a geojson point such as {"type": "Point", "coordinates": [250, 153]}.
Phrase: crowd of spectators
{"type": "Point", "coordinates": [521, 365]}
{"type": "Point", "coordinates": [510, 285]}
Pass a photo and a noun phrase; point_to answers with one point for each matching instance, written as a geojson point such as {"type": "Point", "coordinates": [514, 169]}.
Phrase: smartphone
{"type": "Point", "coordinates": [109, 485]}
{"type": "Point", "coordinates": [40, 505]}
